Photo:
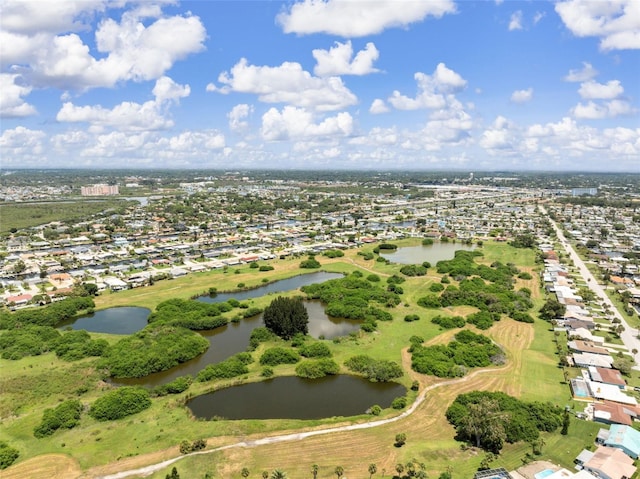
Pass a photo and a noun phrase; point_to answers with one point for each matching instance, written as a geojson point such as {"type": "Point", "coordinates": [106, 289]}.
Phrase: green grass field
{"type": "Point", "coordinates": [531, 372]}
{"type": "Point", "coordinates": [25, 215]}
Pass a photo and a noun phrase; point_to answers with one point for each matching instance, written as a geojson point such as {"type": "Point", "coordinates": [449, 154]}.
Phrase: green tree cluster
{"type": "Point", "coordinates": [468, 350]}
{"type": "Point", "coordinates": [153, 349]}
{"type": "Point", "coordinates": [50, 315]}
{"type": "Point", "coordinates": [190, 314]}
{"type": "Point", "coordinates": [488, 419]}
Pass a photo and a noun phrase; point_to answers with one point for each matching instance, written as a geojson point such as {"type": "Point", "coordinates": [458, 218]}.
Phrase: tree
{"type": "Point", "coordinates": [286, 317]}
{"type": "Point", "coordinates": [339, 471]}
{"type": "Point", "coordinates": [245, 472]}
{"type": "Point", "coordinates": [174, 474]}
{"type": "Point", "coordinates": [265, 475]}
{"type": "Point", "coordinates": [314, 471]}
{"type": "Point", "coordinates": [566, 420]}
{"type": "Point", "coordinates": [372, 469]}
{"type": "Point", "coordinates": [399, 468]}
{"type": "Point", "coordinates": [552, 309]}
{"type": "Point", "coordinates": [485, 424]}
{"type": "Point", "coordinates": [278, 474]}
{"type": "Point", "coordinates": [401, 439]}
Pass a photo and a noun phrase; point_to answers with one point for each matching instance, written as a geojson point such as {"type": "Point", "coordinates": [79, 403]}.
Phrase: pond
{"type": "Point", "coordinates": [291, 397]}
{"type": "Point", "coordinates": [288, 284]}
{"type": "Point", "coordinates": [124, 320]}
{"type": "Point", "coordinates": [233, 338]}
{"type": "Point", "coordinates": [419, 254]}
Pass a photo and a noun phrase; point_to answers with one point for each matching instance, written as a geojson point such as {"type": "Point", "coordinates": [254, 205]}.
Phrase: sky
{"type": "Point", "coordinates": [321, 84]}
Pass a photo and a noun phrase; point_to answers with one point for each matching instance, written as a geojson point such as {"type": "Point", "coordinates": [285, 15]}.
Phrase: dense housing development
{"type": "Point", "coordinates": [550, 279]}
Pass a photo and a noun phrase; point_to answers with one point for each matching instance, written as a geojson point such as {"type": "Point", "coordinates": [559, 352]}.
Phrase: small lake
{"type": "Point", "coordinates": [419, 254]}
{"type": "Point", "coordinates": [280, 286]}
{"type": "Point", "coordinates": [125, 320]}
{"type": "Point", "coordinates": [233, 338]}
{"type": "Point", "coordinates": [291, 397]}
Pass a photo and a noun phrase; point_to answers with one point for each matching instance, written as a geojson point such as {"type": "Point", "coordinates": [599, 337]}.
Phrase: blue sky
{"type": "Point", "coordinates": [321, 84]}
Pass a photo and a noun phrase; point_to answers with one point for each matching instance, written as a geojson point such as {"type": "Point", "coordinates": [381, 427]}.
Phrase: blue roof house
{"type": "Point", "coordinates": [625, 438]}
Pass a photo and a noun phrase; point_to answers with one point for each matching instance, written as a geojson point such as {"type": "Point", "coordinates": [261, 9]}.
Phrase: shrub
{"type": "Point", "coordinates": [333, 253]}
{"type": "Point", "coordinates": [374, 410]}
{"type": "Point", "coordinates": [411, 317]}
{"type": "Point", "coordinates": [267, 372]}
{"type": "Point", "coordinates": [310, 263]}
{"type": "Point", "coordinates": [524, 275]}
{"type": "Point", "coordinates": [448, 322]}
{"type": "Point", "coordinates": [314, 369]}
{"type": "Point", "coordinates": [8, 455]}
{"type": "Point", "coordinates": [315, 350]}
{"type": "Point", "coordinates": [119, 403]}
{"type": "Point", "coordinates": [427, 242]}
{"type": "Point", "coordinates": [374, 278]}
{"type": "Point", "coordinates": [436, 287]}
{"type": "Point", "coordinates": [374, 370]}
{"type": "Point", "coordinates": [413, 270]}
{"type": "Point", "coordinates": [399, 403]}
{"type": "Point", "coordinates": [277, 355]}
{"type": "Point", "coordinates": [431, 301]}
{"type": "Point", "coordinates": [177, 386]}
{"type": "Point", "coordinates": [64, 416]}
{"type": "Point", "coordinates": [265, 267]}
{"type": "Point", "coordinates": [229, 368]}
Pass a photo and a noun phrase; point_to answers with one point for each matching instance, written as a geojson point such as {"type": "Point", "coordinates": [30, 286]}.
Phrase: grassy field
{"type": "Point", "coordinates": [25, 215]}
{"type": "Point", "coordinates": [531, 372]}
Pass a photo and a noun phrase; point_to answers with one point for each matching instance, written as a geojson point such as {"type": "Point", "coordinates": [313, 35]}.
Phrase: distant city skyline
{"type": "Point", "coordinates": [321, 85]}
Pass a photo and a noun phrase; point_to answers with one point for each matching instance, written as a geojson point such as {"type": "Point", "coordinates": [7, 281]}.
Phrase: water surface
{"type": "Point", "coordinates": [419, 254]}
{"type": "Point", "coordinates": [291, 397]}
{"type": "Point", "coordinates": [123, 320]}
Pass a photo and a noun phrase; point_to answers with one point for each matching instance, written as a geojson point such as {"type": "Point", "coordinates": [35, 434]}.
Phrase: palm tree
{"type": "Point", "coordinates": [278, 474]}
{"type": "Point", "coordinates": [372, 470]}
{"type": "Point", "coordinates": [265, 475]}
{"type": "Point", "coordinates": [399, 468]}
{"type": "Point", "coordinates": [245, 472]}
{"type": "Point", "coordinates": [314, 471]}
{"type": "Point", "coordinates": [339, 471]}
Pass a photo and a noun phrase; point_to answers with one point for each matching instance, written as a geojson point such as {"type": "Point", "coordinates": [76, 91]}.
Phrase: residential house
{"type": "Point", "coordinates": [610, 463]}
{"type": "Point", "coordinates": [625, 438]}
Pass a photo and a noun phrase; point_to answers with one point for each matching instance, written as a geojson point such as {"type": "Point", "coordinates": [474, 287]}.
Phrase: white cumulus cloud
{"type": "Point", "coordinates": [515, 22]}
{"type": "Point", "coordinates": [349, 19]}
{"type": "Point", "coordinates": [287, 83]}
{"type": "Point", "coordinates": [12, 103]}
{"type": "Point", "coordinates": [50, 54]}
{"type": "Point", "coordinates": [296, 123]}
{"type": "Point", "coordinates": [378, 106]}
{"type": "Point", "coordinates": [149, 115]}
{"type": "Point", "coordinates": [586, 73]}
{"type": "Point", "coordinates": [338, 60]}
{"type": "Point", "coordinates": [432, 90]}
{"type": "Point", "coordinates": [616, 23]}
{"type": "Point", "coordinates": [237, 117]}
{"type": "Point", "coordinates": [522, 96]}
{"type": "Point", "coordinates": [592, 90]}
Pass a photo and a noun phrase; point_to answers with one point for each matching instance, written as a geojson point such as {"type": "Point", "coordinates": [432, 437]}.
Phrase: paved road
{"type": "Point", "coordinates": [629, 335]}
